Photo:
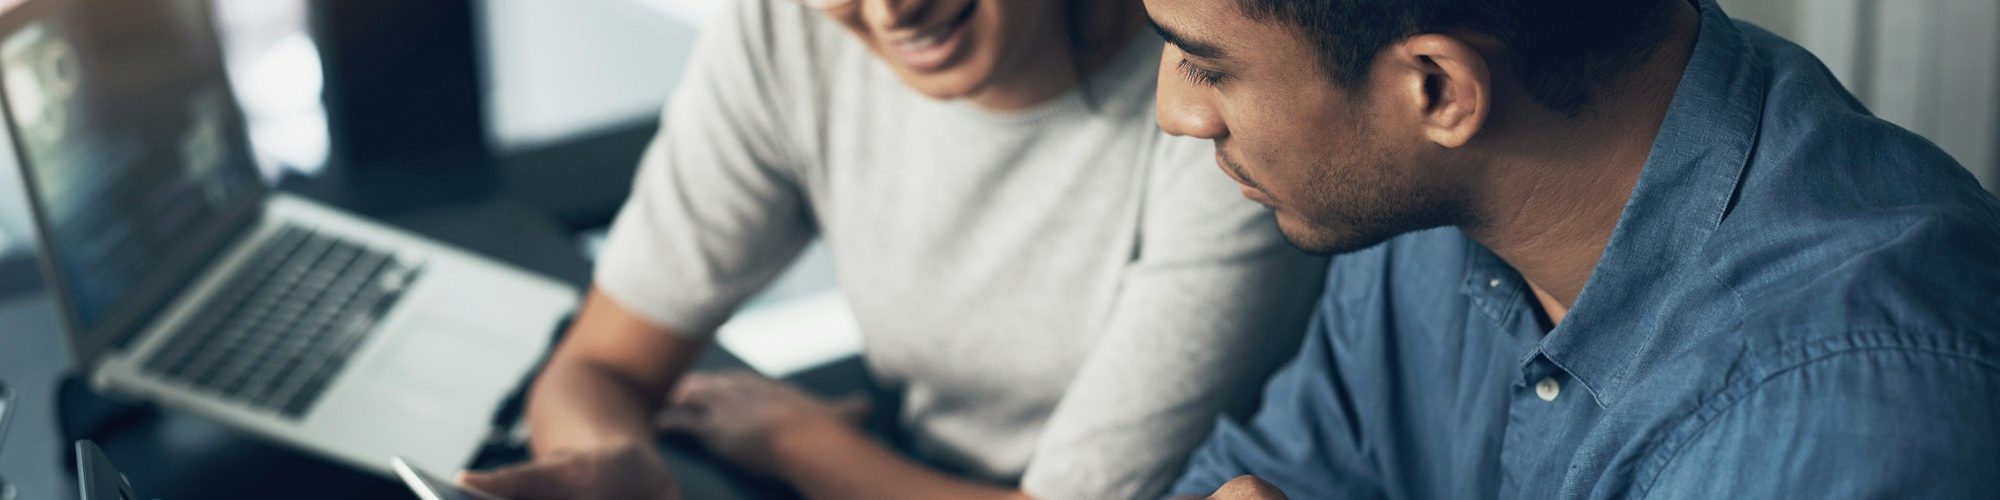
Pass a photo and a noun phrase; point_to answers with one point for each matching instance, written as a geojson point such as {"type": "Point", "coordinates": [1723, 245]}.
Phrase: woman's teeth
{"type": "Point", "coordinates": [926, 39]}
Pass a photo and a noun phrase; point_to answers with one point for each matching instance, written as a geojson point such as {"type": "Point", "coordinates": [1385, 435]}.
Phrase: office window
{"type": "Point", "coordinates": [15, 226]}
{"type": "Point", "coordinates": [275, 67]}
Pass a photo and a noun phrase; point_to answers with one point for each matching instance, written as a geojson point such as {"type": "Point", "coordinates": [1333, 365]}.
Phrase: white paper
{"type": "Point", "coordinates": [793, 335]}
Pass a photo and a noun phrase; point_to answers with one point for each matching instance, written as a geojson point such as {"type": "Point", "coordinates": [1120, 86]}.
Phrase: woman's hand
{"type": "Point", "coordinates": [629, 471]}
{"type": "Point", "coordinates": [743, 416]}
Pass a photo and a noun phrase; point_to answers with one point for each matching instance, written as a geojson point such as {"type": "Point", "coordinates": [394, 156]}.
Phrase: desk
{"type": "Point", "coordinates": [169, 455]}
{"type": "Point", "coordinates": [176, 456]}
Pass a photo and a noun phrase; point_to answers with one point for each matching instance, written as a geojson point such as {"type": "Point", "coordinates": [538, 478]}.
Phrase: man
{"type": "Point", "coordinates": [1592, 250]}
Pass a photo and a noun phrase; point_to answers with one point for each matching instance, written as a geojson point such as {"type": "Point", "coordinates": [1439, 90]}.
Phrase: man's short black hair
{"type": "Point", "coordinates": [1563, 49]}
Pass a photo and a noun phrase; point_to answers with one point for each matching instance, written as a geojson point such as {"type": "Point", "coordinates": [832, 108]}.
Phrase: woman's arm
{"type": "Point", "coordinates": [715, 214]}
{"type": "Point", "coordinates": [590, 409]}
{"type": "Point", "coordinates": [604, 381]}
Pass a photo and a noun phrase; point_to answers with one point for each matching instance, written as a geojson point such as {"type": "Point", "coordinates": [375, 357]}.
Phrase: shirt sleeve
{"type": "Point", "coordinates": [1214, 301]}
{"type": "Point", "coordinates": [716, 211]}
{"type": "Point", "coordinates": [1303, 439]}
{"type": "Point", "coordinates": [1887, 423]}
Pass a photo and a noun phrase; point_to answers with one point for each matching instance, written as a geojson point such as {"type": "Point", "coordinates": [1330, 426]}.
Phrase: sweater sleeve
{"type": "Point", "coordinates": [717, 210]}
{"type": "Point", "coordinates": [1213, 301]}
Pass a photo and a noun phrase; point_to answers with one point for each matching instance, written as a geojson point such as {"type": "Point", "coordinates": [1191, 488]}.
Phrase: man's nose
{"type": "Point", "coordinates": [1184, 109]}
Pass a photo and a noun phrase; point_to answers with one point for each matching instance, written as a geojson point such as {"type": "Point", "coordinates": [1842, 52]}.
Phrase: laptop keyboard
{"type": "Point", "coordinates": [284, 325]}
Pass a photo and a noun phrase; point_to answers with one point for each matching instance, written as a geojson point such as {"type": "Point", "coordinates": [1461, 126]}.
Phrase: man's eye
{"type": "Point", "coordinates": [1199, 75]}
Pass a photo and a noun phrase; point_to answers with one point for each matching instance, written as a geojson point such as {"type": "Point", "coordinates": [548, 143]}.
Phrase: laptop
{"type": "Point", "coordinates": [184, 281]}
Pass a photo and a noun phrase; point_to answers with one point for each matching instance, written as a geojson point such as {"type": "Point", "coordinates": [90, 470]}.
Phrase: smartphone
{"type": "Point", "coordinates": [429, 487]}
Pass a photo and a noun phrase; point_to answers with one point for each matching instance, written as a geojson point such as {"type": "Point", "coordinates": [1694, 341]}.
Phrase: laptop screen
{"type": "Point", "coordinates": [133, 150]}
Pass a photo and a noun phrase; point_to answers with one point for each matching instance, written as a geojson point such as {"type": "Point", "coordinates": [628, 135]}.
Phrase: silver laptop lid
{"type": "Point", "coordinates": [135, 155]}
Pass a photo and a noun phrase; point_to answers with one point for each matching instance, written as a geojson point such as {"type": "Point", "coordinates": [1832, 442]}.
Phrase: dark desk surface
{"type": "Point", "coordinates": [169, 455]}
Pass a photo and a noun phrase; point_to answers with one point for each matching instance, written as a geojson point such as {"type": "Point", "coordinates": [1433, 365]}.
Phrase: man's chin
{"type": "Point", "coordinates": [1327, 239]}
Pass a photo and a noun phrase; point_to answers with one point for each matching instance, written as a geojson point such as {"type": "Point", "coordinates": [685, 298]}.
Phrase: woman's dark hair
{"type": "Point", "coordinates": [1076, 30]}
{"type": "Point", "coordinates": [1563, 49]}
{"type": "Point", "coordinates": [1073, 30]}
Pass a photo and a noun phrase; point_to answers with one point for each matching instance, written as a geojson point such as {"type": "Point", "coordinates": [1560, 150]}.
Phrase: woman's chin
{"type": "Point", "coordinates": [945, 85]}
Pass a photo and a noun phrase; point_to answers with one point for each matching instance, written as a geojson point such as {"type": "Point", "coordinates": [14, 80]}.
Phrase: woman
{"type": "Point", "coordinates": [1065, 297]}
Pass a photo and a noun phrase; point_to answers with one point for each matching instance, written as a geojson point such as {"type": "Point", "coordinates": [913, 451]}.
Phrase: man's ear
{"type": "Point", "coordinates": [1446, 82]}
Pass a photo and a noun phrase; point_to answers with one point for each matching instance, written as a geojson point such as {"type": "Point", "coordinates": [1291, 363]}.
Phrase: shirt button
{"type": "Point", "coordinates": [1493, 283]}
{"type": "Point", "coordinates": [1548, 389]}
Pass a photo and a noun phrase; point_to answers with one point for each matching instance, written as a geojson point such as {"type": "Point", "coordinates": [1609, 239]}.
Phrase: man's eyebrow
{"type": "Point", "coordinates": [1196, 48]}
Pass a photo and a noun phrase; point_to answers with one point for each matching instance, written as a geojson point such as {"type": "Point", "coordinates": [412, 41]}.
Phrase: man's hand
{"type": "Point", "coordinates": [741, 415]}
{"type": "Point", "coordinates": [1247, 487]}
{"type": "Point", "coordinates": [631, 471]}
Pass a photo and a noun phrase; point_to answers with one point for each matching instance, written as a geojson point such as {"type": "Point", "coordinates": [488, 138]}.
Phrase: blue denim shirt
{"type": "Point", "coordinates": [1799, 301]}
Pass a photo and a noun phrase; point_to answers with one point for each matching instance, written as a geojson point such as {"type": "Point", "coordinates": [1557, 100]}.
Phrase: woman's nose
{"type": "Point", "coordinates": [884, 15]}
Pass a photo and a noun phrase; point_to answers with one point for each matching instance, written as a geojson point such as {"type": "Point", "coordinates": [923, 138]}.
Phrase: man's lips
{"type": "Point", "coordinates": [1253, 193]}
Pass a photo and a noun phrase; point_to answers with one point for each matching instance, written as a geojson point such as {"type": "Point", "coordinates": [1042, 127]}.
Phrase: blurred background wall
{"type": "Point", "coordinates": [559, 69]}
{"type": "Point", "coordinates": [1932, 66]}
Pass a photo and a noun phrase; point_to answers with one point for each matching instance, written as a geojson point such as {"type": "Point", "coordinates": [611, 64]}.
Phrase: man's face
{"type": "Point", "coordinates": [1342, 168]}
{"type": "Point", "coordinates": [953, 48]}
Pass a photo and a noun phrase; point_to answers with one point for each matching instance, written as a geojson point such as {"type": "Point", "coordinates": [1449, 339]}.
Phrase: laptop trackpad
{"type": "Point", "coordinates": [444, 358]}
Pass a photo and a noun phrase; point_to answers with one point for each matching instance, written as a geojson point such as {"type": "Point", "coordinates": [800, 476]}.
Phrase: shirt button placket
{"type": "Point", "coordinates": [1538, 424]}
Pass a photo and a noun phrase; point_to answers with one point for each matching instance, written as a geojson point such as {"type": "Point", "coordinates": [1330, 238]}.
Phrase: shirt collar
{"type": "Point", "coordinates": [1681, 197]}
